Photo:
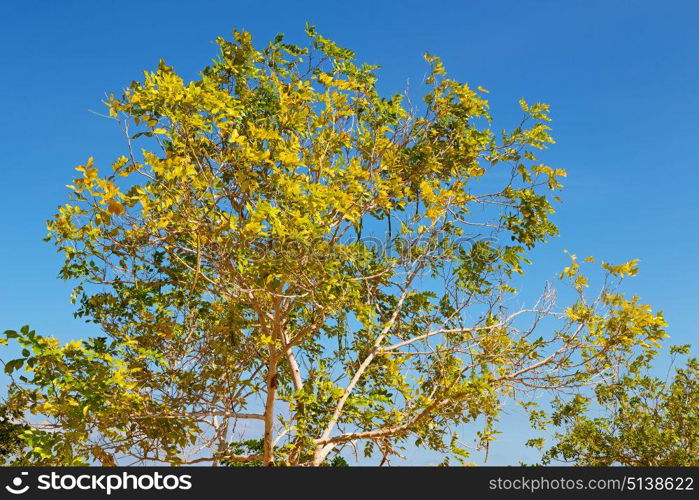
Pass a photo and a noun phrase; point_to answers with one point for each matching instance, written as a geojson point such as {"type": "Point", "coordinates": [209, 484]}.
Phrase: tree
{"type": "Point", "coordinates": [11, 430]}
{"type": "Point", "coordinates": [236, 266]}
{"type": "Point", "coordinates": [639, 420]}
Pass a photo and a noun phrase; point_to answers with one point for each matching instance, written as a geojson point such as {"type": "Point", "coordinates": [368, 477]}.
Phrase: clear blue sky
{"type": "Point", "coordinates": [622, 79]}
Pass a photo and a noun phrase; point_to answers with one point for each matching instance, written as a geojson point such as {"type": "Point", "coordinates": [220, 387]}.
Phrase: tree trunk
{"type": "Point", "coordinates": [272, 380]}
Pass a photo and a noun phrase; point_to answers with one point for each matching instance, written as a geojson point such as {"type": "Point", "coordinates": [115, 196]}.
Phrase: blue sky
{"type": "Point", "coordinates": [621, 78]}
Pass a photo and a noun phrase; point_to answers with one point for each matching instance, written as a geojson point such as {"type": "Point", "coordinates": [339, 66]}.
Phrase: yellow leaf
{"type": "Point", "coordinates": [253, 227]}
{"type": "Point", "coordinates": [289, 157]}
{"type": "Point", "coordinates": [115, 207]}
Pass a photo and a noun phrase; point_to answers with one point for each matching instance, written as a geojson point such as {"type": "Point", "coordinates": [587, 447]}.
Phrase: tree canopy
{"type": "Point", "coordinates": [285, 255]}
{"type": "Point", "coordinates": [634, 419]}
